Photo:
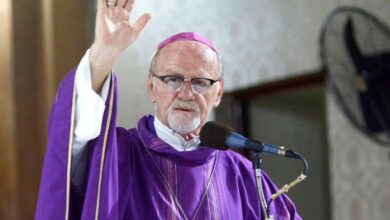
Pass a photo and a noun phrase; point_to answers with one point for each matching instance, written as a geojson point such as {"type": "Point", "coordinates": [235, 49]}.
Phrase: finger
{"type": "Point", "coordinates": [102, 4]}
{"type": "Point", "coordinates": [128, 6]}
{"type": "Point", "coordinates": [111, 3]}
{"type": "Point", "coordinates": [141, 22]}
{"type": "Point", "coordinates": [121, 3]}
{"type": "Point", "coordinates": [124, 4]}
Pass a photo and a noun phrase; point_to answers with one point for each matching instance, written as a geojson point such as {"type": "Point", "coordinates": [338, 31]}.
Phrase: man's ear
{"type": "Point", "coordinates": [220, 94]}
{"type": "Point", "coordinates": [151, 89]}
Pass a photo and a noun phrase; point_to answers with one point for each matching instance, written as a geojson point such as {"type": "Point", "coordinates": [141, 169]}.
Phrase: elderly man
{"type": "Point", "coordinates": [158, 170]}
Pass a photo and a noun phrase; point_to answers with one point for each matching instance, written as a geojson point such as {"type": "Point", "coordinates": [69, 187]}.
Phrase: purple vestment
{"type": "Point", "coordinates": [132, 174]}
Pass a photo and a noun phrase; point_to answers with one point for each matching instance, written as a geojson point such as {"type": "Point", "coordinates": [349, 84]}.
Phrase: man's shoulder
{"type": "Point", "coordinates": [126, 137]}
{"type": "Point", "coordinates": [235, 159]}
{"type": "Point", "coordinates": [126, 132]}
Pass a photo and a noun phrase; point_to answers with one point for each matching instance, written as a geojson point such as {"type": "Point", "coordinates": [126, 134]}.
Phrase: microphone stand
{"type": "Point", "coordinates": [257, 161]}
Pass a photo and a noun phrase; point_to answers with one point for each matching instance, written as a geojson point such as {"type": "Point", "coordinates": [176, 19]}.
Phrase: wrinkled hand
{"type": "Point", "coordinates": [113, 34]}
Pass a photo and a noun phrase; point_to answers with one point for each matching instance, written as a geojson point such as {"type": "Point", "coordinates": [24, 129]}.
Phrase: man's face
{"type": "Point", "coordinates": [183, 110]}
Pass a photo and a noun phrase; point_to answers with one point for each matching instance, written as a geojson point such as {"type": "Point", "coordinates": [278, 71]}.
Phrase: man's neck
{"type": "Point", "coordinates": [191, 135]}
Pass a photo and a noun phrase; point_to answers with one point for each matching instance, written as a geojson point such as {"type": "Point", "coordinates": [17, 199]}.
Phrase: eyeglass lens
{"type": "Point", "coordinates": [198, 85]}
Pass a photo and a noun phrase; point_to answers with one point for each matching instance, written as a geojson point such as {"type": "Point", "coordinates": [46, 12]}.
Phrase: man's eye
{"type": "Point", "coordinates": [172, 79]}
{"type": "Point", "coordinates": [201, 82]}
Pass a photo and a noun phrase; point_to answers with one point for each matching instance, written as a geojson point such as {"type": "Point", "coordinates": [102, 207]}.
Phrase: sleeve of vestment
{"type": "Point", "coordinates": [99, 196]}
{"type": "Point", "coordinates": [90, 108]}
{"type": "Point", "coordinates": [89, 105]}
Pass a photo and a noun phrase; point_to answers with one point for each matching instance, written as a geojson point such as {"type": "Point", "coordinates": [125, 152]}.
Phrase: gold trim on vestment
{"type": "Point", "coordinates": [108, 121]}
{"type": "Point", "coordinates": [70, 150]}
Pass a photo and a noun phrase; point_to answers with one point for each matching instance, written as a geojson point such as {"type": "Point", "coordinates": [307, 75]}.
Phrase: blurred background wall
{"type": "Point", "coordinates": [261, 42]}
{"type": "Point", "coordinates": [40, 41]}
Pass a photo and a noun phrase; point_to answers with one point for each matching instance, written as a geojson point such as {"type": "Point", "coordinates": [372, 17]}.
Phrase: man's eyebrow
{"type": "Point", "coordinates": [172, 73]}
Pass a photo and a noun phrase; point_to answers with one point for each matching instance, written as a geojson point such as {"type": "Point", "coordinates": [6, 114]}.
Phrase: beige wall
{"type": "Point", "coordinates": [262, 41]}
{"type": "Point", "coordinates": [39, 43]}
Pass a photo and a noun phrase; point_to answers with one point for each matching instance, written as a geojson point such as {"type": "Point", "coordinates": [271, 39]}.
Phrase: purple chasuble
{"type": "Point", "coordinates": [132, 174]}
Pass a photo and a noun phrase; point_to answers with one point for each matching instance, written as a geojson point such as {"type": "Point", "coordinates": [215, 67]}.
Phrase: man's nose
{"type": "Point", "coordinates": [185, 92]}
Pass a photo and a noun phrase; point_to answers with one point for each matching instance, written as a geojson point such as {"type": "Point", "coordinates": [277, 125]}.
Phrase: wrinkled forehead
{"type": "Point", "coordinates": [187, 48]}
{"type": "Point", "coordinates": [190, 36]}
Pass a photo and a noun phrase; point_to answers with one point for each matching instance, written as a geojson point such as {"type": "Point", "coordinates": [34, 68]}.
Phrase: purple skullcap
{"type": "Point", "coordinates": [187, 36]}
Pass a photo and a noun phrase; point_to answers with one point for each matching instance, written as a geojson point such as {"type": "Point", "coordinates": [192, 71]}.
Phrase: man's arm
{"type": "Point", "coordinates": [89, 104]}
{"type": "Point", "coordinates": [113, 35]}
{"type": "Point", "coordinates": [58, 198]}
{"type": "Point", "coordinates": [90, 108]}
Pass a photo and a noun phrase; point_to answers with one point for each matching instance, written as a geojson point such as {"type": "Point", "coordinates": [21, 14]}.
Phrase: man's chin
{"type": "Point", "coordinates": [184, 125]}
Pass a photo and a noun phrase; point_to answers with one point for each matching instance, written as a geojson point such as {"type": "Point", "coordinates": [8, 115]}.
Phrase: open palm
{"type": "Point", "coordinates": [113, 29]}
{"type": "Point", "coordinates": [113, 34]}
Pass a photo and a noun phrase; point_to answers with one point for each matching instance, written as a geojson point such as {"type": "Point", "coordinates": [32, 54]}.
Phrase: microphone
{"type": "Point", "coordinates": [222, 137]}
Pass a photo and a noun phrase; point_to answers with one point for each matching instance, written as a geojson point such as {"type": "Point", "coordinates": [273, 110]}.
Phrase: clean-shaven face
{"type": "Point", "coordinates": [183, 110]}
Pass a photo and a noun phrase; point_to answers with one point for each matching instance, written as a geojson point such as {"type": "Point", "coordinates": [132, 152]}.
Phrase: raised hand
{"type": "Point", "coordinates": [113, 34]}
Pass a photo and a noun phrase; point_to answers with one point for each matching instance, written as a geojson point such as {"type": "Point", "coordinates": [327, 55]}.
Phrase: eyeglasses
{"type": "Point", "coordinates": [198, 85]}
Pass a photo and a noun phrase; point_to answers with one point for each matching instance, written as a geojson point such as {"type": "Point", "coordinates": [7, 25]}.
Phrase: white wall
{"type": "Point", "coordinates": [261, 41]}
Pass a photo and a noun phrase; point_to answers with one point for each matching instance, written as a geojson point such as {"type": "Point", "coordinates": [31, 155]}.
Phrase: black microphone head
{"type": "Point", "coordinates": [214, 135]}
